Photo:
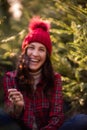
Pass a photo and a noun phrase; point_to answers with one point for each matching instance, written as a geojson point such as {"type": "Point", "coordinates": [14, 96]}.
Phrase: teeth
{"type": "Point", "coordinates": [34, 60]}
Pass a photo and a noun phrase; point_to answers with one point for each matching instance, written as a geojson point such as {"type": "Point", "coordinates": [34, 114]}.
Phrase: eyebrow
{"type": "Point", "coordinates": [40, 46]}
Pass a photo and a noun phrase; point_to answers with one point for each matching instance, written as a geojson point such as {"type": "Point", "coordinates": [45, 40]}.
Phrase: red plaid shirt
{"type": "Point", "coordinates": [48, 113]}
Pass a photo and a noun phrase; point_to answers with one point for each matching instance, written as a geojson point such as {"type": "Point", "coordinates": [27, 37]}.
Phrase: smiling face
{"type": "Point", "coordinates": [37, 55]}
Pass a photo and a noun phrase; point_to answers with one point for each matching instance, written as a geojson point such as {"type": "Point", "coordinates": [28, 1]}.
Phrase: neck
{"type": "Point", "coordinates": [36, 75]}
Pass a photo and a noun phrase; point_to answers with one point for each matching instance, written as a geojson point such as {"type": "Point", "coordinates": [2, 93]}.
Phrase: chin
{"type": "Point", "coordinates": [34, 70]}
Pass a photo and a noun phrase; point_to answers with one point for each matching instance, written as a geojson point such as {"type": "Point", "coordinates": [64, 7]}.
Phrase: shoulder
{"type": "Point", "coordinates": [10, 74]}
{"type": "Point", "coordinates": [57, 80]}
{"type": "Point", "coordinates": [57, 75]}
{"type": "Point", "coordinates": [9, 80]}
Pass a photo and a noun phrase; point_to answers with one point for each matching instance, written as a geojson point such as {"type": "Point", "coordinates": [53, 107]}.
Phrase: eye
{"type": "Point", "coordinates": [31, 47]}
{"type": "Point", "coordinates": [43, 49]}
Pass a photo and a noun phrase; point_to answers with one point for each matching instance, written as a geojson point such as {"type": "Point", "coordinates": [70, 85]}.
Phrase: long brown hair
{"type": "Point", "coordinates": [25, 81]}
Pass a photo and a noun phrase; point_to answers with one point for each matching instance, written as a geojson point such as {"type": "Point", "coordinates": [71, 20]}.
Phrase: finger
{"type": "Point", "coordinates": [12, 90]}
{"type": "Point", "coordinates": [10, 98]}
{"type": "Point", "coordinates": [12, 93]}
{"type": "Point", "coordinates": [16, 97]}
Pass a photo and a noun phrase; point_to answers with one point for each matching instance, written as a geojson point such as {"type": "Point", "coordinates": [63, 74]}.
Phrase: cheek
{"type": "Point", "coordinates": [28, 53]}
{"type": "Point", "coordinates": [44, 57]}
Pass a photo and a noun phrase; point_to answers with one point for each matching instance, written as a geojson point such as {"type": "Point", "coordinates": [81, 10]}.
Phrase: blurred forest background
{"type": "Point", "coordinates": [69, 38]}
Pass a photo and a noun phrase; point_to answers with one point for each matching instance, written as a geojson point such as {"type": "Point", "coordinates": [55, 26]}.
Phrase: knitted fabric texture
{"type": "Point", "coordinates": [38, 32]}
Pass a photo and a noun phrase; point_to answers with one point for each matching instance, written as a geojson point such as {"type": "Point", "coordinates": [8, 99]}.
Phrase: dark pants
{"type": "Point", "coordinates": [7, 123]}
{"type": "Point", "coordinates": [77, 122]}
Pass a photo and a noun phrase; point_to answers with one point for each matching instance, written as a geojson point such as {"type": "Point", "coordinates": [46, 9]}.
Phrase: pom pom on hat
{"type": "Point", "coordinates": [38, 32]}
{"type": "Point", "coordinates": [36, 22]}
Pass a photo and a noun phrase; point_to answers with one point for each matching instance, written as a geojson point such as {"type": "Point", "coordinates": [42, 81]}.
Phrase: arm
{"type": "Point", "coordinates": [17, 100]}
{"type": "Point", "coordinates": [56, 115]}
{"type": "Point", "coordinates": [13, 99]}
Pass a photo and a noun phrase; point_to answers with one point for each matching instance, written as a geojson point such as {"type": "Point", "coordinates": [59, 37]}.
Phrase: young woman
{"type": "Point", "coordinates": [33, 92]}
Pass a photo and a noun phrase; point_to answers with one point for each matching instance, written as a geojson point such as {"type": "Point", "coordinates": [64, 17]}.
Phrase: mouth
{"type": "Point", "coordinates": [34, 61]}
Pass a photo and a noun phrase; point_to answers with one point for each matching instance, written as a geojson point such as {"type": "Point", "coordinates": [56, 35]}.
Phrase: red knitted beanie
{"type": "Point", "coordinates": [38, 32]}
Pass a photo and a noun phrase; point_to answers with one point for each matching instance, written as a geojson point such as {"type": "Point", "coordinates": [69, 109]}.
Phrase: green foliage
{"type": "Point", "coordinates": [71, 52]}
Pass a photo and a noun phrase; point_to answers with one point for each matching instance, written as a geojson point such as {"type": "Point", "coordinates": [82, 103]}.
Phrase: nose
{"type": "Point", "coordinates": [35, 52]}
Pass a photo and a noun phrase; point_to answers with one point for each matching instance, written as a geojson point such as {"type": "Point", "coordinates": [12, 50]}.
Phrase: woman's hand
{"type": "Point", "coordinates": [17, 99]}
